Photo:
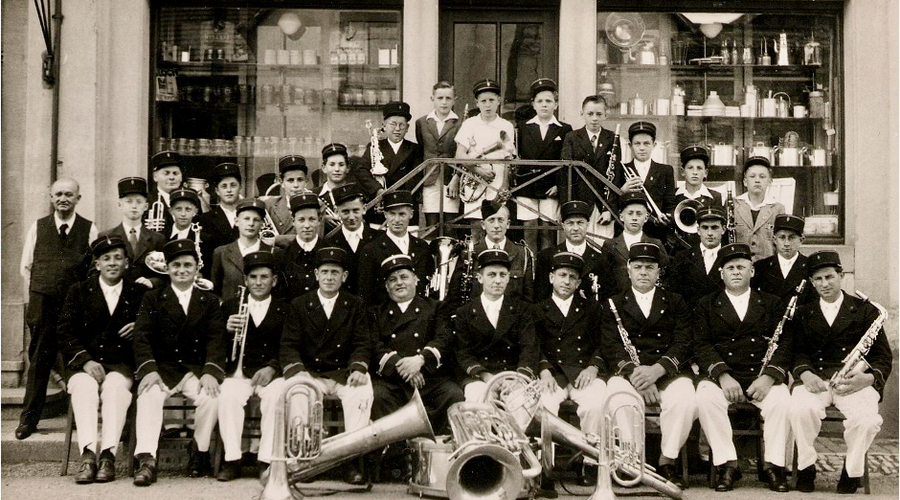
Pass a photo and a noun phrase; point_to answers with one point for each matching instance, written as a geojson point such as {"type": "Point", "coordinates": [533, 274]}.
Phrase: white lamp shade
{"type": "Point", "coordinates": [711, 30]}
{"type": "Point", "coordinates": [289, 23]}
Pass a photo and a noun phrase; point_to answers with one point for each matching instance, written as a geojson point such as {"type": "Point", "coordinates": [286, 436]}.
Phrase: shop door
{"type": "Point", "coordinates": [513, 47]}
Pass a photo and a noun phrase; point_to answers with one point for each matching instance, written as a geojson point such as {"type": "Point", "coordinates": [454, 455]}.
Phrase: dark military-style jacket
{"type": "Point", "coordinates": [511, 346]}
{"type": "Point", "coordinates": [767, 278]}
{"type": "Point", "coordinates": [616, 252]}
{"type": "Point", "coordinates": [534, 147]}
{"type": "Point", "coordinates": [723, 343]}
{"type": "Point", "coordinates": [521, 274]}
{"type": "Point", "coordinates": [325, 347]}
{"type": "Point", "coordinates": [215, 231]}
{"type": "Point", "coordinates": [371, 282]}
{"type": "Point", "coordinates": [595, 272]}
{"type": "Point", "coordinates": [172, 343]}
{"type": "Point", "coordinates": [422, 329]}
{"type": "Point", "coordinates": [340, 241]}
{"type": "Point", "coordinates": [299, 269]}
{"type": "Point", "coordinates": [822, 348]}
{"type": "Point", "coordinates": [148, 241]}
{"type": "Point", "coordinates": [262, 342]}
{"type": "Point", "coordinates": [87, 332]}
{"type": "Point", "coordinates": [688, 276]}
{"type": "Point", "coordinates": [570, 343]}
{"type": "Point", "coordinates": [664, 337]}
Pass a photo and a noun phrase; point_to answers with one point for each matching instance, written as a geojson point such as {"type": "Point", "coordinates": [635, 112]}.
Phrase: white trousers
{"type": "Point", "coordinates": [590, 405]}
{"type": "Point", "coordinates": [712, 408]}
{"type": "Point", "coordinates": [860, 427]}
{"type": "Point", "coordinates": [86, 396]}
{"type": "Point", "coordinates": [356, 401]}
{"type": "Point", "coordinates": [233, 396]}
{"type": "Point", "coordinates": [150, 414]}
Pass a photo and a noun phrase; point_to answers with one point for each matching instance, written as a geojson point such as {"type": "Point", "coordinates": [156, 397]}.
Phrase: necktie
{"type": "Point", "coordinates": [132, 240]}
{"type": "Point", "coordinates": [594, 139]}
{"type": "Point", "coordinates": [62, 232]}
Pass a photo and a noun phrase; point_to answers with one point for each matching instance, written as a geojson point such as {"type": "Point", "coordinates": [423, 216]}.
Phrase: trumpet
{"type": "Point", "coordinates": [156, 217]}
{"type": "Point", "coordinates": [444, 250]}
{"type": "Point", "coordinates": [856, 360]}
{"type": "Point", "coordinates": [240, 338]}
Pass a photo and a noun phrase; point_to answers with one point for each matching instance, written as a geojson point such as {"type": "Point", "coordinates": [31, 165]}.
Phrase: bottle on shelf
{"type": "Point", "coordinates": [677, 102]}
{"type": "Point", "coordinates": [713, 105]}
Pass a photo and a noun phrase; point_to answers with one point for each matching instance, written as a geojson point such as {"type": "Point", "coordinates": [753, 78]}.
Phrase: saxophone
{"type": "Point", "coordinates": [626, 340]}
{"type": "Point", "coordinates": [788, 314]}
{"type": "Point", "coordinates": [855, 362]}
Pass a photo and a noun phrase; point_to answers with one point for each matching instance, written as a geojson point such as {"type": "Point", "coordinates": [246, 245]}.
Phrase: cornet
{"type": "Point", "coordinates": [240, 338]}
{"type": "Point", "coordinates": [268, 232]}
{"type": "Point", "coordinates": [156, 217]}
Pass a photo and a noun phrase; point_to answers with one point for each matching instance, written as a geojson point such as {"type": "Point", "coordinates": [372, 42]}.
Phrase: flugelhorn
{"type": "Point", "coordinates": [686, 215]}
{"type": "Point", "coordinates": [444, 249]}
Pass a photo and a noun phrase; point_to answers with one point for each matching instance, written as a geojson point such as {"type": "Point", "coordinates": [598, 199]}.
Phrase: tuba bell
{"type": "Point", "coordinates": [300, 453]}
{"type": "Point", "coordinates": [686, 215]}
{"type": "Point", "coordinates": [444, 249]}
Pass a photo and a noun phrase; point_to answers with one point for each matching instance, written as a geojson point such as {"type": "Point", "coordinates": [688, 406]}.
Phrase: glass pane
{"type": "Point", "coordinates": [521, 50]}
{"type": "Point", "coordinates": [474, 56]}
{"type": "Point", "coordinates": [742, 84]}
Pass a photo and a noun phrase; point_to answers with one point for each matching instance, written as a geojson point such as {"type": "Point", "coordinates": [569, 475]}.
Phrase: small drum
{"type": "Point", "coordinates": [432, 463]}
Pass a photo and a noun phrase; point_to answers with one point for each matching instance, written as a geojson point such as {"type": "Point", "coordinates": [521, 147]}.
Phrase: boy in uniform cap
{"type": "Point", "coordinates": [593, 145]}
{"type": "Point", "coordinates": [354, 234]}
{"type": "Point", "coordinates": [755, 210]}
{"type": "Point", "coordinates": [571, 364]}
{"type": "Point", "coordinates": [694, 170]}
{"type": "Point", "coordinates": [300, 252]}
{"type": "Point", "coordinates": [412, 347]}
{"type": "Point", "coordinates": [436, 134]}
{"type": "Point", "coordinates": [260, 368]}
{"type": "Point", "coordinates": [825, 333]}
{"type": "Point", "coordinates": [695, 273]}
{"type": "Point", "coordinates": [53, 259]}
{"type": "Point", "coordinates": [485, 135]}
{"type": "Point", "coordinates": [398, 210]}
{"type": "Point", "coordinates": [336, 171]}
{"type": "Point", "coordinates": [139, 240]}
{"type": "Point", "coordinates": [326, 337]}
{"type": "Point", "coordinates": [731, 336]}
{"type": "Point", "coordinates": [228, 260]}
{"type": "Point", "coordinates": [781, 273]}
{"type": "Point", "coordinates": [634, 211]}
{"type": "Point", "coordinates": [494, 331]}
{"type": "Point", "coordinates": [293, 177]}
{"type": "Point", "coordinates": [398, 156]}
{"type": "Point", "coordinates": [219, 225]}
{"type": "Point", "coordinates": [185, 205]}
{"type": "Point", "coordinates": [540, 138]}
{"type": "Point", "coordinates": [597, 281]}
{"type": "Point", "coordinates": [95, 330]}
{"type": "Point", "coordinates": [167, 177]}
{"type": "Point", "coordinates": [177, 349]}
{"type": "Point", "coordinates": [657, 179]}
{"type": "Point", "coordinates": [658, 323]}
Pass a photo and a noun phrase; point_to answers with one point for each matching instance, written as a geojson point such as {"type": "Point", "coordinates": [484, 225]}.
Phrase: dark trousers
{"type": "Point", "coordinates": [437, 394]}
{"type": "Point", "coordinates": [43, 313]}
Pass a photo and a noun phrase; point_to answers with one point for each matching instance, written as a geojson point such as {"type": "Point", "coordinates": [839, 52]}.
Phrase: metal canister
{"type": "Point", "coordinates": [287, 94]}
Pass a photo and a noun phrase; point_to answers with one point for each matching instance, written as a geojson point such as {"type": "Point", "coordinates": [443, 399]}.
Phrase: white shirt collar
{"type": "Point", "coordinates": [327, 301]}
{"type": "Point", "coordinates": [165, 196]}
{"type": "Point", "coordinates": [644, 296]}
{"type": "Point", "coordinates": [395, 146]}
{"type": "Point", "coordinates": [786, 264]}
{"type": "Point", "coordinates": [128, 225]}
{"type": "Point", "coordinates": [563, 305]}
{"type": "Point", "coordinates": [250, 249]}
{"type": "Point", "coordinates": [402, 242]}
{"type": "Point", "coordinates": [117, 288]}
{"type": "Point", "coordinates": [404, 305]}
{"type": "Point", "coordinates": [433, 116]}
{"type": "Point", "coordinates": [358, 233]}
{"type": "Point", "coordinates": [632, 239]}
{"type": "Point", "coordinates": [182, 234]}
{"type": "Point", "coordinates": [768, 200]}
{"type": "Point", "coordinates": [184, 298]}
{"type": "Point", "coordinates": [551, 121]}
{"type": "Point", "coordinates": [740, 302]}
{"type": "Point", "coordinates": [579, 249]}
{"type": "Point", "coordinates": [490, 244]}
{"type": "Point", "coordinates": [70, 221]}
{"type": "Point", "coordinates": [308, 247]}
{"type": "Point", "coordinates": [830, 310]}
{"type": "Point", "coordinates": [231, 215]}
{"type": "Point", "coordinates": [259, 308]}
{"type": "Point", "coordinates": [702, 191]}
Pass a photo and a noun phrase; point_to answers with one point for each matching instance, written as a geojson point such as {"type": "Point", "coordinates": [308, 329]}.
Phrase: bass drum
{"type": "Point", "coordinates": [430, 467]}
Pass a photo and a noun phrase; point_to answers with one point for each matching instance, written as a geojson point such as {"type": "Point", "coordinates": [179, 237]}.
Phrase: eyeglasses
{"type": "Point", "coordinates": [395, 125]}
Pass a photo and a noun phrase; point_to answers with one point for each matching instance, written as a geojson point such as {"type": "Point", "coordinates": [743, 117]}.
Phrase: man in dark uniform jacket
{"type": "Point", "coordinates": [140, 241]}
{"type": "Point", "coordinates": [53, 259]}
{"type": "Point", "coordinates": [494, 331]}
{"type": "Point", "coordinates": [177, 349]}
{"type": "Point", "coordinates": [825, 332]}
{"type": "Point", "coordinates": [657, 179]}
{"type": "Point", "coordinates": [398, 157]}
{"type": "Point", "coordinates": [781, 273]}
{"type": "Point", "coordinates": [259, 369]}
{"type": "Point", "coordinates": [219, 224]}
{"type": "Point", "coordinates": [571, 363]}
{"type": "Point", "coordinates": [597, 282]}
{"type": "Point", "coordinates": [634, 211]}
{"type": "Point", "coordinates": [95, 330]}
{"type": "Point", "coordinates": [293, 180]}
{"type": "Point", "coordinates": [658, 323]}
{"type": "Point", "coordinates": [398, 208]}
{"type": "Point", "coordinates": [300, 254]}
{"type": "Point", "coordinates": [411, 337]}
{"type": "Point", "coordinates": [354, 233]}
{"type": "Point", "coordinates": [326, 336]}
{"type": "Point", "coordinates": [167, 177]}
{"type": "Point", "coordinates": [694, 273]}
{"type": "Point", "coordinates": [731, 335]}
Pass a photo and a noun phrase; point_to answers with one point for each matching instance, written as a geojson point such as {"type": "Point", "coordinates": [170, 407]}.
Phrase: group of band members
{"type": "Point", "coordinates": [350, 310]}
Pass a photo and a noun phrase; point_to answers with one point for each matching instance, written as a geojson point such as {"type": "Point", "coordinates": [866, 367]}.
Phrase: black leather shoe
{"type": "Point", "coordinates": [88, 468]}
{"type": "Point", "coordinates": [726, 476]}
{"type": "Point", "coordinates": [107, 471]}
{"type": "Point", "coordinates": [248, 459]}
{"type": "Point", "coordinates": [229, 471]}
{"type": "Point", "coordinates": [547, 488]}
{"type": "Point", "coordinates": [145, 475]}
{"type": "Point", "coordinates": [354, 476]}
{"type": "Point", "coordinates": [671, 474]}
{"type": "Point", "coordinates": [198, 464]}
{"type": "Point", "coordinates": [776, 479]}
{"type": "Point", "coordinates": [588, 476]}
{"type": "Point", "coordinates": [806, 479]}
{"type": "Point", "coordinates": [25, 430]}
{"type": "Point", "coordinates": [847, 485]}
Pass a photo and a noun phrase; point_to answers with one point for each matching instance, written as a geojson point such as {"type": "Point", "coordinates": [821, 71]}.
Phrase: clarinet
{"type": "Point", "coordinates": [788, 315]}
{"type": "Point", "coordinates": [626, 340]}
{"type": "Point", "coordinates": [729, 216]}
{"type": "Point", "coordinates": [611, 166]}
{"type": "Point", "coordinates": [468, 277]}
{"type": "Point", "coordinates": [855, 361]}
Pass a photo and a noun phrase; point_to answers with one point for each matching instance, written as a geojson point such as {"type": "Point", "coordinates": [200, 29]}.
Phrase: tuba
{"type": "Point", "coordinates": [444, 249]}
{"type": "Point", "coordinates": [686, 215]}
{"type": "Point", "coordinates": [301, 453]}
